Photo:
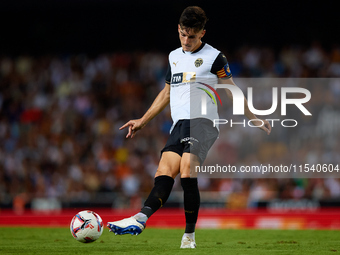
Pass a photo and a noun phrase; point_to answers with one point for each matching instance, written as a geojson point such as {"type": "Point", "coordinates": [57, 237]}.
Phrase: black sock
{"type": "Point", "coordinates": [191, 202]}
{"type": "Point", "coordinates": [158, 195]}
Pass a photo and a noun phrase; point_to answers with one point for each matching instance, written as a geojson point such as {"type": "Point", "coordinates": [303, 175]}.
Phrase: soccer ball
{"type": "Point", "coordinates": [86, 226]}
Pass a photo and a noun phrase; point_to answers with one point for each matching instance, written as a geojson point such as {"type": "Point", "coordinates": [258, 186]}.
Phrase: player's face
{"type": "Point", "coordinates": [190, 40]}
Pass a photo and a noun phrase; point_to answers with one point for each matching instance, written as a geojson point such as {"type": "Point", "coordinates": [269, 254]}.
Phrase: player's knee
{"type": "Point", "coordinates": [185, 170]}
{"type": "Point", "coordinates": [188, 164]}
{"type": "Point", "coordinates": [166, 171]}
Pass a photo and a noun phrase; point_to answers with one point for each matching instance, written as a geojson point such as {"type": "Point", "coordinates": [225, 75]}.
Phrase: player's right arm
{"type": "Point", "coordinates": [160, 102]}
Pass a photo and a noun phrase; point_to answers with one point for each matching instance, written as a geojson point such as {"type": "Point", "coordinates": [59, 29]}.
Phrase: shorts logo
{"type": "Point", "coordinates": [198, 62]}
{"type": "Point", "coordinates": [188, 139]}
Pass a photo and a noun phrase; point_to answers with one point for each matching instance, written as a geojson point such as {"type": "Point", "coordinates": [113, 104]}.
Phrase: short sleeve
{"type": "Point", "coordinates": [168, 74]}
{"type": "Point", "coordinates": [220, 67]}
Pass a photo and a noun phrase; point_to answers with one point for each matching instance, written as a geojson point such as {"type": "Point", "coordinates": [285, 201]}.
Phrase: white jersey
{"type": "Point", "coordinates": [192, 77]}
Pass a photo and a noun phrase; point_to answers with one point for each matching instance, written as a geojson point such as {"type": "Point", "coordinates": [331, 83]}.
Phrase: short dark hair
{"type": "Point", "coordinates": [193, 17]}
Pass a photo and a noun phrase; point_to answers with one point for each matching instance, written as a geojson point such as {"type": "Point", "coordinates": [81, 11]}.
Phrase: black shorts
{"type": "Point", "coordinates": [195, 136]}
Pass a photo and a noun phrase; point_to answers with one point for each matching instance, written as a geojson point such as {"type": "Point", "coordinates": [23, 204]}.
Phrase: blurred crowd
{"type": "Point", "coordinates": [60, 118]}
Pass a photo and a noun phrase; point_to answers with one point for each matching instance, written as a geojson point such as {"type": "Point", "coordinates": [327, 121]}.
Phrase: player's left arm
{"type": "Point", "coordinates": [262, 124]}
{"type": "Point", "coordinates": [221, 69]}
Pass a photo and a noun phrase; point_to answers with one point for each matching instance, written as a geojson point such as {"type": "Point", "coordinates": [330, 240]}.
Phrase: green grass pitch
{"type": "Point", "coordinates": [167, 241]}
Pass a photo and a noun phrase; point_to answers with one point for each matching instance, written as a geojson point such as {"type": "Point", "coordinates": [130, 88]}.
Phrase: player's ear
{"type": "Point", "coordinates": [203, 33]}
{"type": "Point", "coordinates": [179, 28]}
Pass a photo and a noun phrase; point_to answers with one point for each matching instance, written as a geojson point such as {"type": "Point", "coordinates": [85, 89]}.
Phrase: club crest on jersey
{"type": "Point", "coordinates": [198, 62]}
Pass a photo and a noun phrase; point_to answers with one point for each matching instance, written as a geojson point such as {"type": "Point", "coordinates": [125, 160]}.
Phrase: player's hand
{"type": "Point", "coordinates": [263, 125]}
{"type": "Point", "coordinates": [134, 126]}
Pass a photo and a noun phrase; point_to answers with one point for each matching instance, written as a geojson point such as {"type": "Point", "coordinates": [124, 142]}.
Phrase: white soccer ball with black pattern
{"type": "Point", "coordinates": [86, 226]}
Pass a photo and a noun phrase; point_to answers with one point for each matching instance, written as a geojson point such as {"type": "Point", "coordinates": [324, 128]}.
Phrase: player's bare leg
{"type": "Point", "coordinates": [191, 198]}
{"type": "Point", "coordinates": [169, 164]}
{"type": "Point", "coordinates": [168, 169]}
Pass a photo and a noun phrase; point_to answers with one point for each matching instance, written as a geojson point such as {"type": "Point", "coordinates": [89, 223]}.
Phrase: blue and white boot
{"type": "Point", "coordinates": [126, 226]}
